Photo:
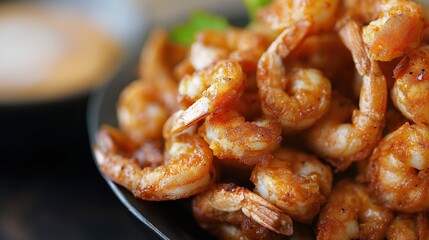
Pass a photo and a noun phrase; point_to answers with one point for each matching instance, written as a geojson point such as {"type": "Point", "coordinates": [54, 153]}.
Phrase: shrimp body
{"type": "Point", "coordinates": [295, 182]}
{"type": "Point", "coordinates": [229, 205]}
{"type": "Point", "coordinates": [409, 227]}
{"type": "Point", "coordinates": [343, 143]}
{"type": "Point", "coordinates": [281, 14]}
{"type": "Point", "coordinates": [395, 26]}
{"type": "Point", "coordinates": [186, 170]}
{"type": "Point", "coordinates": [207, 91]}
{"type": "Point", "coordinates": [298, 98]}
{"type": "Point", "coordinates": [399, 169]}
{"type": "Point", "coordinates": [231, 137]}
{"type": "Point", "coordinates": [410, 92]}
{"type": "Point", "coordinates": [350, 213]}
{"type": "Point", "coordinates": [243, 46]}
{"type": "Point", "coordinates": [142, 110]}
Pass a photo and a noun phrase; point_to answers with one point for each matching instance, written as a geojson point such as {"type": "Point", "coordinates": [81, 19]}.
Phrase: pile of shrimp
{"type": "Point", "coordinates": [311, 122]}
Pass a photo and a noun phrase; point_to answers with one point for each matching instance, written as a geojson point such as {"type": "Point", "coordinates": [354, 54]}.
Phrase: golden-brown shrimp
{"type": "Point", "coordinates": [409, 227]}
{"type": "Point", "coordinates": [186, 170]}
{"type": "Point", "coordinates": [230, 205]}
{"type": "Point", "coordinates": [299, 98]}
{"type": "Point", "coordinates": [230, 136]}
{"type": "Point", "coordinates": [144, 107]}
{"type": "Point", "coordinates": [281, 14]}
{"type": "Point", "coordinates": [351, 213]}
{"type": "Point", "coordinates": [207, 91]}
{"type": "Point", "coordinates": [242, 45]}
{"type": "Point", "coordinates": [398, 171]}
{"type": "Point", "coordinates": [342, 143]}
{"type": "Point", "coordinates": [295, 182]}
{"type": "Point", "coordinates": [327, 53]}
{"type": "Point", "coordinates": [410, 93]}
{"type": "Point", "coordinates": [394, 26]}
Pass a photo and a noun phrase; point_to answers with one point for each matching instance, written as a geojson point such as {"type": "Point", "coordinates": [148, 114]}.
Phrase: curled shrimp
{"type": "Point", "coordinates": [230, 136]}
{"type": "Point", "coordinates": [409, 226]}
{"type": "Point", "coordinates": [394, 28]}
{"type": "Point", "coordinates": [410, 93]}
{"type": "Point", "coordinates": [299, 98]}
{"type": "Point", "coordinates": [343, 143]}
{"type": "Point", "coordinates": [186, 170]}
{"type": "Point", "coordinates": [398, 171]}
{"type": "Point", "coordinates": [207, 91]}
{"type": "Point", "coordinates": [295, 182]}
{"type": "Point", "coordinates": [242, 45]}
{"type": "Point", "coordinates": [228, 204]}
{"type": "Point", "coordinates": [351, 213]}
{"type": "Point", "coordinates": [281, 14]}
{"type": "Point", "coordinates": [144, 107]}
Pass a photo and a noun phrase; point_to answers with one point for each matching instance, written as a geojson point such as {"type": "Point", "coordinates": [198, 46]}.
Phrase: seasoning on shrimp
{"type": "Point", "coordinates": [399, 169]}
{"type": "Point", "coordinates": [295, 182]}
{"type": "Point", "coordinates": [227, 205]}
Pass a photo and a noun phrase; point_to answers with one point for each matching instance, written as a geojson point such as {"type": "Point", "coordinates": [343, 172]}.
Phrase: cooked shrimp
{"type": "Point", "coordinates": [342, 143]}
{"type": "Point", "coordinates": [351, 213]}
{"type": "Point", "coordinates": [144, 107]}
{"type": "Point", "coordinates": [398, 171]}
{"type": "Point", "coordinates": [296, 182]}
{"type": "Point", "coordinates": [394, 28]}
{"type": "Point", "coordinates": [207, 91]}
{"type": "Point", "coordinates": [228, 204]}
{"type": "Point", "coordinates": [186, 170]}
{"type": "Point", "coordinates": [410, 92]}
{"type": "Point", "coordinates": [230, 136]}
{"type": "Point", "coordinates": [242, 45]}
{"type": "Point", "coordinates": [281, 14]}
{"type": "Point", "coordinates": [409, 227]}
{"type": "Point", "coordinates": [299, 98]}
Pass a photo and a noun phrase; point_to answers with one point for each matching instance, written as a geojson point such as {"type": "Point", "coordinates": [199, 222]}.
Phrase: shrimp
{"type": "Point", "coordinates": [398, 171]}
{"type": "Point", "coordinates": [281, 14]}
{"type": "Point", "coordinates": [295, 182]}
{"type": "Point", "coordinates": [351, 213]}
{"type": "Point", "coordinates": [242, 45]}
{"type": "Point", "coordinates": [343, 143]}
{"type": "Point", "coordinates": [299, 98]}
{"type": "Point", "coordinates": [410, 93]}
{"type": "Point", "coordinates": [231, 137]}
{"type": "Point", "coordinates": [207, 91]}
{"type": "Point", "coordinates": [144, 107]}
{"type": "Point", "coordinates": [394, 28]}
{"type": "Point", "coordinates": [186, 170]}
{"type": "Point", "coordinates": [229, 205]}
{"type": "Point", "coordinates": [409, 227]}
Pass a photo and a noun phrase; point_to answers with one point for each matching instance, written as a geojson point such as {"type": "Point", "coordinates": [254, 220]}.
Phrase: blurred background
{"type": "Point", "coordinates": [53, 55]}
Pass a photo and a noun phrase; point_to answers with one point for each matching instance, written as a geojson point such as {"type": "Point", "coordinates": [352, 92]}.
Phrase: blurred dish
{"type": "Point", "coordinates": [49, 54]}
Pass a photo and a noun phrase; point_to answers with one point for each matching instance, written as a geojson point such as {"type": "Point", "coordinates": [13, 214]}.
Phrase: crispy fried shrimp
{"type": "Point", "coordinates": [410, 93]}
{"type": "Point", "coordinates": [351, 213]}
{"type": "Point", "coordinates": [207, 91]}
{"type": "Point", "coordinates": [281, 14]}
{"type": "Point", "coordinates": [242, 45]}
{"type": "Point", "coordinates": [229, 205]}
{"type": "Point", "coordinates": [327, 53]}
{"type": "Point", "coordinates": [296, 182]}
{"type": "Point", "coordinates": [186, 170]}
{"type": "Point", "coordinates": [249, 105]}
{"type": "Point", "coordinates": [144, 107]}
{"type": "Point", "coordinates": [409, 227]}
{"type": "Point", "coordinates": [398, 171]}
{"type": "Point", "coordinates": [342, 143]}
{"type": "Point", "coordinates": [230, 136]}
{"type": "Point", "coordinates": [298, 98]}
{"type": "Point", "coordinates": [394, 28]}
